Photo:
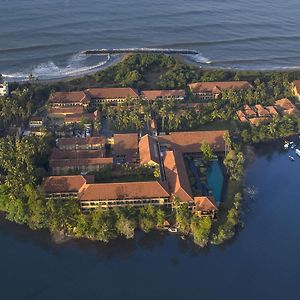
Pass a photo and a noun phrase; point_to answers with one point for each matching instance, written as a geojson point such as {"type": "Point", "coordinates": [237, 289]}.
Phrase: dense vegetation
{"type": "Point", "coordinates": [23, 162]}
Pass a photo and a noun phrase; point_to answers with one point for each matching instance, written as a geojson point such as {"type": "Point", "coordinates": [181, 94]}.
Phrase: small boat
{"type": "Point", "coordinates": [298, 152]}
{"type": "Point", "coordinates": [291, 158]}
{"type": "Point", "coordinates": [286, 146]}
{"type": "Point", "coordinates": [183, 237]}
{"type": "Point", "coordinates": [293, 145]}
{"type": "Point", "coordinates": [173, 229]}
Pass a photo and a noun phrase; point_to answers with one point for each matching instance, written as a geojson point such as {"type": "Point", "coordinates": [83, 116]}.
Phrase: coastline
{"type": "Point", "coordinates": [184, 59]}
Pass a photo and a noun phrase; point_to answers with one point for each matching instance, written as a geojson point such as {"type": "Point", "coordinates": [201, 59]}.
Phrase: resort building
{"type": "Point", "coordinates": [74, 143]}
{"type": "Point", "coordinates": [125, 148]}
{"type": "Point", "coordinates": [111, 95]}
{"type": "Point", "coordinates": [257, 115]}
{"type": "Point", "coordinates": [80, 161]}
{"type": "Point", "coordinates": [36, 122]}
{"type": "Point", "coordinates": [207, 91]}
{"type": "Point", "coordinates": [296, 88]}
{"type": "Point", "coordinates": [152, 95]}
{"type": "Point", "coordinates": [4, 89]}
{"type": "Point", "coordinates": [61, 112]}
{"type": "Point", "coordinates": [149, 151]}
{"type": "Point", "coordinates": [69, 99]}
{"type": "Point", "coordinates": [165, 152]}
{"type": "Point", "coordinates": [287, 108]}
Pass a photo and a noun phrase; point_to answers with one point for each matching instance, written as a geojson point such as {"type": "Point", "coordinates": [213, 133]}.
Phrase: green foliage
{"type": "Point", "coordinates": [207, 152]}
{"type": "Point", "coordinates": [200, 228]}
{"type": "Point", "coordinates": [234, 163]}
{"type": "Point", "coordinates": [183, 218]}
{"type": "Point", "coordinates": [227, 230]}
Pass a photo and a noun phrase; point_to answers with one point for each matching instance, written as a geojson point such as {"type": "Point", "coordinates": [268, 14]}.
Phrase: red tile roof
{"type": "Point", "coordinates": [126, 144]}
{"type": "Point", "coordinates": [69, 97]}
{"type": "Point", "coordinates": [176, 175]}
{"type": "Point", "coordinates": [80, 162]}
{"type": "Point", "coordinates": [123, 190]}
{"type": "Point", "coordinates": [65, 110]}
{"type": "Point", "coordinates": [190, 141]}
{"type": "Point", "coordinates": [112, 93]}
{"type": "Point", "coordinates": [205, 203]}
{"type": "Point", "coordinates": [241, 116]}
{"type": "Point", "coordinates": [260, 120]}
{"type": "Point", "coordinates": [154, 94]}
{"type": "Point", "coordinates": [217, 87]}
{"type": "Point", "coordinates": [60, 184]}
{"type": "Point", "coordinates": [148, 150]}
{"type": "Point", "coordinates": [72, 141]}
{"type": "Point", "coordinates": [296, 84]}
{"type": "Point", "coordinates": [60, 154]}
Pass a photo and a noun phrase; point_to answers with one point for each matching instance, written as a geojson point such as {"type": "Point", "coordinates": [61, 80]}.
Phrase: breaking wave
{"type": "Point", "coordinates": [77, 65]}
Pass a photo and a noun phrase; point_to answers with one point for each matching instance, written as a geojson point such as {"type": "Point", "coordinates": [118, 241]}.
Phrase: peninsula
{"type": "Point", "coordinates": [150, 144]}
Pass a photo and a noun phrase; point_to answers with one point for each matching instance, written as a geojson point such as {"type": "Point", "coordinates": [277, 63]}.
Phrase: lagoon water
{"type": "Point", "coordinates": [45, 37]}
{"type": "Point", "coordinates": [261, 263]}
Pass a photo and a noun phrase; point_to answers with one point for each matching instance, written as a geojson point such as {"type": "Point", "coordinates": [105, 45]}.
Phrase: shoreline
{"type": "Point", "coordinates": [184, 59]}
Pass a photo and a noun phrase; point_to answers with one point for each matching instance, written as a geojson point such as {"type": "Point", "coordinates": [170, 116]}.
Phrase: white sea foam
{"type": "Point", "coordinates": [199, 58]}
{"type": "Point", "coordinates": [76, 66]}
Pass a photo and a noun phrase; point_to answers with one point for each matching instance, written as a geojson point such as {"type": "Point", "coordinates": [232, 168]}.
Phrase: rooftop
{"type": "Point", "coordinates": [148, 150]}
{"type": "Point", "coordinates": [69, 97]}
{"type": "Point", "coordinates": [190, 141]}
{"type": "Point", "coordinates": [217, 87]}
{"type": "Point", "coordinates": [177, 177]}
{"type": "Point", "coordinates": [154, 94]}
{"type": "Point", "coordinates": [124, 190]}
{"type": "Point", "coordinates": [60, 184]}
{"type": "Point", "coordinates": [112, 93]}
{"type": "Point", "coordinates": [72, 141]}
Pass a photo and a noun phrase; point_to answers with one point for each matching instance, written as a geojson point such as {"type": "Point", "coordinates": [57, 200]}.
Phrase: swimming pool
{"type": "Point", "coordinates": [215, 180]}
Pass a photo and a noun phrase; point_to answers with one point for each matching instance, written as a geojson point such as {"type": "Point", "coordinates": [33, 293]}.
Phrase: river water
{"type": "Point", "coordinates": [45, 37]}
{"type": "Point", "coordinates": [262, 262]}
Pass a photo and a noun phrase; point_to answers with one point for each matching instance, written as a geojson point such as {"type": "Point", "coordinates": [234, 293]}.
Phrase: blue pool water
{"type": "Point", "coordinates": [215, 180]}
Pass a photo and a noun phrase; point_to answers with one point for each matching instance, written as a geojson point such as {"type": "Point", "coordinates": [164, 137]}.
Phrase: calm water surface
{"type": "Point", "coordinates": [46, 36]}
{"type": "Point", "coordinates": [262, 262]}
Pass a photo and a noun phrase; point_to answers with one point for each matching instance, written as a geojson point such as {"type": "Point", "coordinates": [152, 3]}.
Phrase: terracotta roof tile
{"type": "Point", "coordinates": [58, 184]}
{"type": "Point", "coordinates": [205, 204]}
{"type": "Point", "coordinates": [122, 191]}
{"type": "Point", "coordinates": [148, 150]}
{"type": "Point", "coordinates": [81, 141]}
{"type": "Point", "coordinates": [69, 97]}
{"type": "Point", "coordinates": [112, 93]}
{"type": "Point", "coordinates": [217, 87]}
{"type": "Point", "coordinates": [176, 175]}
{"type": "Point", "coordinates": [190, 141]}
{"type": "Point", "coordinates": [154, 94]}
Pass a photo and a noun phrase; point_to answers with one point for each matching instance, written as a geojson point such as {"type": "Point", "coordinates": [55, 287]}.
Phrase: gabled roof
{"type": "Point", "coordinates": [205, 203]}
{"type": "Point", "coordinates": [148, 150]}
{"type": "Point", "coordinates": [60, 184]}
{"type": "Point", "coordinates": [123, 190]}
{"type": "Point", "coordinates": [126, 144]}
{"type": "Point", "coordinates": [80, 162]}
{"type": "Point", "coordinates": [261, 110]}
{"type": "Point", "coordinates": [176, 175]}
{"type": "Point", "coordinates": [217, 87]}
{"type": "Point", "coordinates": [154, 94]}
{"type": "Point", "coordinates": [284, 104]}
{"type": "Point", "coordinates": [60, 154]}
{"type": "Point", "coordinates": [241, 116]}
{"type": "Point", "coordinates": [69, 97]}
{"type": "Point", "coordinates": [296, 84]}
{"type": "Point", "coordinates": [190, 141]}
{"type": "Point", "coordinates": [72, 141]}
{"type": "Point", "coordinates": [272, 110]}
{"type": "Point", "coordinates": [112, 93]}
{"type": "Point", "coordinates": [260, 120]}
{"type": "Point", "coordinates": [65, 110]}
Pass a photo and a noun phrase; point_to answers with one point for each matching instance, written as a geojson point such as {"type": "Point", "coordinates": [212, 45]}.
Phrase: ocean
{"type": "Point", "coordinates": [46, 37]}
